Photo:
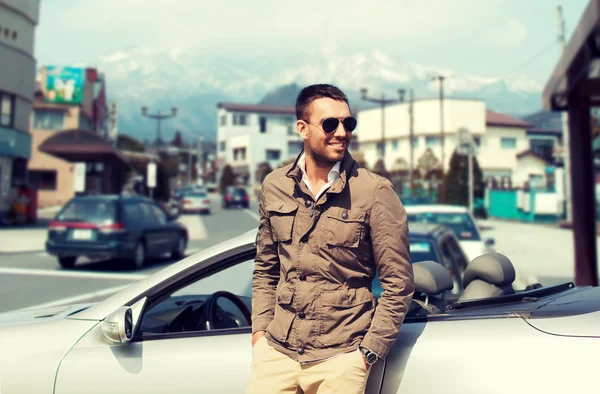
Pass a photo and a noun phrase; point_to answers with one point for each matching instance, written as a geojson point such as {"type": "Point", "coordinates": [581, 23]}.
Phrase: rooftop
{"type": "Point", "coordinates": [497, 119]}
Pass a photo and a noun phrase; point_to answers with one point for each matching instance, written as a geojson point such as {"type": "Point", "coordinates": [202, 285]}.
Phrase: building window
{"type": "Point", "coordinates": [432, 141]}
{"type": "Point", "coordinates": [263, 124]}
{"type": "Point", "coordinates": [222, 146]}
{"type": "Point", "coordinates": [273, 154]}
{"type": "Point", "coordinates": [295, 147]}
{"type": "Point", "coordinates": [7, 110]}
{"type": "Point", "coordinates": [543, 147]}
{"type": "Point", "coordinates": [508, 143]}
{"type": "Point", "coordinates": [42, 180]}
{"type": "Point", "coordinates": [477, 141]}
{"type": "Point", "coordinates": [46, 119]}
{"type": "Point", "coordinates": [415, 142]}
{"type": "Point", "coordinates": [239, 154]}
{"type": "Point", "coordinates": [239, 119]}
{"type": "Point", "coordinates": [396, 144]}
{"type": "Point", "coordinates": [223, 120]}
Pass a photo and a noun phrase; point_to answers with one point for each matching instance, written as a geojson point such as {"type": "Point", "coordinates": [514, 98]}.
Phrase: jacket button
{"type": "Point", "coordinates": [345, 215]}
{"type": "Point", "coordinates": [301, 351]}
{"type": "Point", "coordinates": [301, 315]}
{"type": "Point", "coordinates": [302, 277]}
{"type": "Point", "coordinates": [307, 203]}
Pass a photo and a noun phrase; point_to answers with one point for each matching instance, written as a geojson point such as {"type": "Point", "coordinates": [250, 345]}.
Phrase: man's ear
{"type": "Point", "coordinates": [302, 128]}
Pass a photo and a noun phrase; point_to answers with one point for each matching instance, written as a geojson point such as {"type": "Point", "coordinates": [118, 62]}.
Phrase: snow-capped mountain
{"type": "Point", "coordinates": [195, 82]}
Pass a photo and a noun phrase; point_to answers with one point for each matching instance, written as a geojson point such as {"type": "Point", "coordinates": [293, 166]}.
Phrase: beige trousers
{"type": "Point", "coordinates": [274, 372]}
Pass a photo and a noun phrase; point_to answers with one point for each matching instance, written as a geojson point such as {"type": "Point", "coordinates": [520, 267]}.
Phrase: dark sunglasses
{"type": "Point", "coordinates": [330, 125]}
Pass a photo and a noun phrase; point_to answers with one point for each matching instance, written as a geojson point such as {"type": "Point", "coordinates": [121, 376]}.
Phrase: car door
{"type": "Point", "coordinates": [181, 361]}
{"type": "Point", "coordinates": [152, 230]}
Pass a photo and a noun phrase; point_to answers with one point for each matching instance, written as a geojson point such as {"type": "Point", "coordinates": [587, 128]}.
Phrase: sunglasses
{"type": "Point", "coordinates": [329, 125]}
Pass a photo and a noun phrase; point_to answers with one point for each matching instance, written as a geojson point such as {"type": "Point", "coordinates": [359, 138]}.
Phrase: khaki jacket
{"type": "Point", "coordinates": [315, 263]}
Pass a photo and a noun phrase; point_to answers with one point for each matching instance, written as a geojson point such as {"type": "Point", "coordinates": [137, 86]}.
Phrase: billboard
{"type": "Point", "coordinates": [64, 85]}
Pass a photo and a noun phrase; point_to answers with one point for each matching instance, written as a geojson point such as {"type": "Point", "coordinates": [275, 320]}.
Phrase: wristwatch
{"type": "Point", "coordinates": [370, 356]}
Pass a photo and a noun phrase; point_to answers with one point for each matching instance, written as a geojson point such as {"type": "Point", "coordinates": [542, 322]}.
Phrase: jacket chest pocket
{"type": "Point", "coordinates": [344, 227]}
{"type": "Point", "coordinates": [281, 218]}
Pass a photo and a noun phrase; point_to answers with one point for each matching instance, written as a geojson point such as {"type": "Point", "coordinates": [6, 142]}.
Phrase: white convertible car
{"type": "Point", "coordinates": [186, 329]}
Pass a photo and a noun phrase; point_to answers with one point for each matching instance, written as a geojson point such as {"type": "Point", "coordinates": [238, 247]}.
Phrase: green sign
{"type": "Point", "coordinates": [64, 85]}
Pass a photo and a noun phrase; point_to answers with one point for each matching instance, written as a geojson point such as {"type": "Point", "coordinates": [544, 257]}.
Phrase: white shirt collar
{"type": "Point", "coordinates": [333, 175]}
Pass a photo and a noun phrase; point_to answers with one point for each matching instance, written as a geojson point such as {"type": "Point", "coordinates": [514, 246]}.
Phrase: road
{"type": "Point", "coordinates": [32, 279]}
{"type": "Point", "coordinates": [540, 253]}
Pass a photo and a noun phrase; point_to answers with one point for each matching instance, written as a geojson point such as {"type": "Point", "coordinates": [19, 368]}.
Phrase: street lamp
{"type": "Point", "coordinates": [383, 102]}
{"type": "Point", "coordinates": [159, 117]}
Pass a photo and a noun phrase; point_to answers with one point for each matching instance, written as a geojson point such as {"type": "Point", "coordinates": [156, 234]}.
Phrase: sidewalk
{"type": "Point", "coordinates": [27, 238]}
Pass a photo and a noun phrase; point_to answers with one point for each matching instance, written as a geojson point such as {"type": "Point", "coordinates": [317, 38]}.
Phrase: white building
{"type": "Point", "coordinates": [500, 139]}
{"type": "Point", "coordinates": [248, 135]}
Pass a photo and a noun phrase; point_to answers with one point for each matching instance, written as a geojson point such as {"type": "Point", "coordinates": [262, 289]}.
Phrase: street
{"type": "Point", "coordinates": [34, 278]}
{"type": "Point", "coordinates": [540, 253]}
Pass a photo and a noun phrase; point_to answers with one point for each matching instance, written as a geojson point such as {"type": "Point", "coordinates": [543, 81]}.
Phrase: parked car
{"type": "Point", "coordinates": [114, 226]}
{"type": "Point", "coordinates": [196, 201]}
{"type": "Point", "coordinates": [460, 220]}
{"type": "Point", "coordinates": [236, 196]}
{"type": "Point", "coordinates": [187, 329]}
{"type": "Point", "coordinates": [435, 242]}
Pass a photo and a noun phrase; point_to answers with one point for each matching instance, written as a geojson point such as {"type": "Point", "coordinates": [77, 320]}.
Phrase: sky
{"type": "Point", "coordinates": [490, 38]}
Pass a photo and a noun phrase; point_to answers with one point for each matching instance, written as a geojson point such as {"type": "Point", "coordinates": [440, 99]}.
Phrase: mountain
{"type": "Point", "coordinates": [545, 120]}
{"type": "Point", "coordinates": [195, 82]}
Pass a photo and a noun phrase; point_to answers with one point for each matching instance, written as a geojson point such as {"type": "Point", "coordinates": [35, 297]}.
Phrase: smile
{"type": "Point", "coordinates": [338, 144]}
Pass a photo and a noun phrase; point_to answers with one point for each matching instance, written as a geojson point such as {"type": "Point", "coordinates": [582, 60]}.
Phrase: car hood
{"type": "Point", "coordinates": [577, 314]}
{"type": "Point", "coordinates": [40, 315]}
{"type": "Point", "coordinates": [473, 249]}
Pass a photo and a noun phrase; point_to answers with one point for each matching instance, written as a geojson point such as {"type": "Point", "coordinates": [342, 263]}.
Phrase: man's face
{"type": "Point", "coordinates": [324, 147]}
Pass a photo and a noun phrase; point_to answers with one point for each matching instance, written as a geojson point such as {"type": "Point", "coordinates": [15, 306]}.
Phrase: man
{"type": "Point", "coordinates": [326, 227]}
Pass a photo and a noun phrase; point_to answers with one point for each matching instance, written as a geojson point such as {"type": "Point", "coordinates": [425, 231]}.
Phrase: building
{"type": "Point", "coordinates": [499, 138]}
{"type": "Point", "coordinates": [248, 135]}
{"type": "Point", "coordinates": [67, 99]}
{"type": "Point", "coordinates": [18, 19]}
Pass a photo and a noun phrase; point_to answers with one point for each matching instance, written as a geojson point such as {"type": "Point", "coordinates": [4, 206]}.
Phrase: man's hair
{"type": "Point", "coordinates": [313, 92]}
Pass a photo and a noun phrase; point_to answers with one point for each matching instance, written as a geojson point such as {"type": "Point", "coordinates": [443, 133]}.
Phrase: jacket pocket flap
{"type": "Point", "coordinates": [281, 207]}
{"type": "Point", "coordinates": [346, 298]}
{"type": "Point", "coordinates": [284, 297]}
{"type": "Point", "coordinates": [346, 215]}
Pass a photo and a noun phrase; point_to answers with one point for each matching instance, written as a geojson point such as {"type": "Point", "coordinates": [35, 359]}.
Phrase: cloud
{"type": "Point", "coordinates": [511, 33]}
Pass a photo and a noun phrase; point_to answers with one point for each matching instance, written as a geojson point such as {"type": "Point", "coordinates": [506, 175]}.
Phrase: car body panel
{"type": "Point", "coordinates": [31, 352]}
{"type": "Point", "coordinates": [492, 356]}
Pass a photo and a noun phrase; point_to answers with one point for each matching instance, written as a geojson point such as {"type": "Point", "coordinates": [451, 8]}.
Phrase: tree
{"type": "Point", "coordinates": [379, 169]}
{"type": "Point", "coordinates": [227, 178]}
{"type": "Point", "coordinates": [178, 140]}
{"type": "Point", "coordinates": [262, 171]}
{"type": "Point", "coordinates": [128, 143]}
{"type": "Point", "coordinates": [428, 175]}
{"type": "Point", "coordinates": [457, 180]}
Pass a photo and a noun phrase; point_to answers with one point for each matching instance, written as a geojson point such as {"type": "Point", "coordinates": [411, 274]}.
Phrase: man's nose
{"type": "Point", "coordinates": [340, 132]}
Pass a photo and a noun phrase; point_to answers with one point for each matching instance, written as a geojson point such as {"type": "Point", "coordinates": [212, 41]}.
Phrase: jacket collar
{"type": "Point", "coordinates": [345, 168]}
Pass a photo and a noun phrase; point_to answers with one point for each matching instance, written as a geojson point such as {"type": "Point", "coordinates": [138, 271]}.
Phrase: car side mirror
{"type": "Point", "coordinates": [490, 242]}
{"type": "Point", "coordinates": [119, 326]}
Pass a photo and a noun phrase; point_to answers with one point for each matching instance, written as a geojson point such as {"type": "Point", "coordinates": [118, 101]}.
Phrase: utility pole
{"type": "Point", "coordinates": [383, 102]}
{"type": "Point", "coordinates": [159, 117]}
{"type": "Point", "coordinates": [565, 128]}
{"type": "Point", "coordinates": [201, 159]}
{"type": "Point", "coordinates": [441, 78]}
{"type": "Point", "coordinates": [411, 128]}
{"type": "Point", "coordinates": [190, 150]}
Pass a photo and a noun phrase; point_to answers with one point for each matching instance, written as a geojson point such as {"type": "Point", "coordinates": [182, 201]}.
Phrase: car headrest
{"type": "Point", "coordinates": [431, 278]}
{"type": "Point", "coordinates": [494, 268]}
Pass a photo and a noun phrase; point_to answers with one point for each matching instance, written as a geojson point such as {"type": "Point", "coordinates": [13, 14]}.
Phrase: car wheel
{"type": "Point", "coordinates": [67, 262]}
{"type": "Point", "coordinates": [179, 248]}
{"type": "Point", "coordinates": [139, 255]}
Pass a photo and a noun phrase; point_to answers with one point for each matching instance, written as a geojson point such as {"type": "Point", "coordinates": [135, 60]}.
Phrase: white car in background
{"type": "Point", "coordinates": [460, 220]}
{"type": "Point", "coordinates": [195, 201]}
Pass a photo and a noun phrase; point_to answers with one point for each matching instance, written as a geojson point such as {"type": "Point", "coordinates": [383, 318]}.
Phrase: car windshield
{"type": "Point", "coordinates": [197, 194]}
{"type": "Point", "coordinates": [422, 250]}
{"type": "Point", "coordinates": [461, 223]}
{"type": "Point", "coordinates": [99, 212]}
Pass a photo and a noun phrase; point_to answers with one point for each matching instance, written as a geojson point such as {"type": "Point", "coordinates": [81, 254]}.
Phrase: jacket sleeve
{"type": "Point", "coordinates": [391, 253]}
{"type": "Point", "coordinates": [266, 271]}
